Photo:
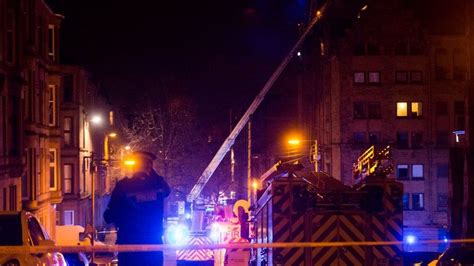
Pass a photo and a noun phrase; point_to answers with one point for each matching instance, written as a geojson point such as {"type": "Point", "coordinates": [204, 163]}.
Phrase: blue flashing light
{"type": "Point", "coordinates": [410, 239]}
{"type": "Point", "coordinates": [445, 239]}
{"type": "Point", "coordinates": [177, 234]}
{"type": "Point", "coordinates": [188, 216]}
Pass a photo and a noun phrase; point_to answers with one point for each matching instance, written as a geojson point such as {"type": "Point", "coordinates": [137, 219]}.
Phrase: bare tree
{"type": "Point", "coordinates": [168, 129]}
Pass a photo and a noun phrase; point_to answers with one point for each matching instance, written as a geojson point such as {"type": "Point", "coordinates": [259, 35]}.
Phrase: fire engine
{"type": "Point", "coordinates": [308, 206]}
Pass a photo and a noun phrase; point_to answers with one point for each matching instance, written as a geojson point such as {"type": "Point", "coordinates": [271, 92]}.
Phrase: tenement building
{"type": "Point", "coordinates": [392, 81]}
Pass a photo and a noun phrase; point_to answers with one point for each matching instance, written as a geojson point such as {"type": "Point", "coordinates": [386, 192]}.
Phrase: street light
{"type": "Point", "coordinates": [313, 152]}
{"type": "Point", "coordinates": [96, 119]}
{"type": "Point", "coordinates": [294, 142]}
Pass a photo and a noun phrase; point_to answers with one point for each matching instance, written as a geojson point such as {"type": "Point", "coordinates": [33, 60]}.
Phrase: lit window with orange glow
{"type": "Point", "coordinates": [416, 109]}
{"type": "Point", "coordinates": [402, 109]}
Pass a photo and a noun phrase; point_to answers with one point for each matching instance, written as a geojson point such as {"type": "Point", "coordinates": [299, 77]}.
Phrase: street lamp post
{"type": "Point", "coordinates": [313, 152]}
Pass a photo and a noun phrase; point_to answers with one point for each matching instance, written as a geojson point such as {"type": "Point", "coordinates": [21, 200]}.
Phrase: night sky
{"type": "Point", "coordinates": [219, 53]}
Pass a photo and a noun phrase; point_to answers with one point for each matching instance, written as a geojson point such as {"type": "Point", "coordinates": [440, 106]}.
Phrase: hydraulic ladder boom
{"type": "Point", "coordinates": [220, 154]}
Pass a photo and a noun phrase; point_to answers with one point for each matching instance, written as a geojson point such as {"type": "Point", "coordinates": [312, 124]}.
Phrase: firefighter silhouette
{"type": "Point", "coordinates": [136, 209]}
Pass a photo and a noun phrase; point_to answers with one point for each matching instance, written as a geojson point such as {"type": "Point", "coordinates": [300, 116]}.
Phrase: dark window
{"type": "Point", "coordinates": [374, 137]}
{"type": "Point", "coordinates": [68, 173]}
{"type": "Point", "coordinates": [359, 77]}
{"type": "Point", "coordinates": [416, 140]}
{"type": "Point", "coordinates": [442, 202]}
{"type": "Point", "coordinates": [441, 63]}
{"type": "Point", "coordinates": [442, 139]}
{"type": "Point", "coordinates": [418, 201]}
{"type": "Point", "coordinates": [51, 42]}
{"type": "Point", "coordinates": [401, 48]}
{"type": "Point", "coordinates": [402, 140]}
{"type": "Point", "coordinates": [417, 171]}
{"type": "Point", "coordinates": [15, 126]}
{"type": "Point", "coordinates": [13, 198]}
{"type": "Point", "coordinates": [10, 37]}
{"type": "Point", "coordinates": [372, 49]}
{"type": "Point", "coordinates": [67, 128]}
{"type": "Point", "coordinates": [459, 64]}
{"type": "Point", "coordinates": [459, 107]}
{"type": "Point", "coordinates": [359, 137]}
{"type": "Point", "coordinates": [24, 185]}
{"type": "Point", "coordinates": [401, 77]}
{"type": "Point", "coordinates": [406, 201]}
{"type": "Point", "coordinates": [442, 171]}
{"type": "Point", "coordinates": [460, 122]}
{"type": "Point", "coordinates": [441, 108]}
{"type": "Point", "coordinates": [374, 110]}
{"type": "Point", "coordinates": [10, 230]}
{"type": "Point", "coordinates": [374, 77]}
{"type": "Point", "coordinates": [359, 49]}
{"type": "Point", "coordinates": [68, 86]}
{"type": "Point", "coordinates": [402, 171]}
{"type": "Point", "coordinates": [416, 77]}
{"type": "Point", "coordinates": [416, 49]}
{"type": "Point", "coordinates": [359, 110]}
{"type": "Point", "coordinates": [2, 81]}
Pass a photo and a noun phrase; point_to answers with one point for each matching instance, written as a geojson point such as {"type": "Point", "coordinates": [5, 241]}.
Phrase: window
{"type": "Point", "coordinates": [359, 49]}
{"type": "Point", "coordinates": [460, 122]}
{"type": "Point", "coordinates": [374, 110]}
{"type": "Point", "coordinates": [416, 140]}
{"type": "Point", "coordinates": [359, 137]}
{"type": "Point", "coordinates": [359, 110]}
{"type": "Point", "coordinates": [13, 198]}
{"type": "Point", "coordinates": [10, 37]}
{"type": "Point", "coordinates": [402, 171]}
{"type": "Point", "coordinates": [67, 128]}
{"type": "Point", "coordinates": [68, 88]}
{"type": "Point", "coordinates": [401, 77]}
{"type": "Point", "coordinates": [459, 64]}
{"type": "Point", "coordinates": [406, 201]}
{"type": "Point", "coordinates": [416, 77]}
{"type": "Point", "coordinates": [53, 170]}
{"type": "Point", "coordinates": [459, 107]}
{"type": "Point", "coordinates": [68, 178]}
{"type": "Point", "coordinates": [441, 108]}
{"type": "Point", "coordinates": [442, 139]}
{"type": "Point", "coordinates": [4, 198]}
{"type": "Point", "coordinates": [68, 217]}
{"type": "Point", "coordinates": [402, 140]}
{"type": "Point", "coordinates": [416, 109]}
{"type": "Point", "coordinates": [441, 63]}
{"type": "Point", "coordinates": [359, 77]}
{"type": "Point", "coordinates": [417, 171]}
{"type": "Point", "coordinates": [51, 42]}
{"type": "Point", "coordinates": [442, 202]}
{"type": "Point", "coordinates": [52, 105]}
{"type": "Point", "coordinates": [417, 201]}
{"type": "Point", "coordinates": [442, 171]}
{"type": "Point", "coordinates": [374, 137]}
{"type": "Point", "coordinates": [402, 109]}
{"type": "Point", "coordinates": [111, 118]}
{"type": "Point", "coordinates": [372, 49]}
{"type": "Point", "coordinates": [401, 48]}
{"type": "Point", "coordinates": [374, 77]}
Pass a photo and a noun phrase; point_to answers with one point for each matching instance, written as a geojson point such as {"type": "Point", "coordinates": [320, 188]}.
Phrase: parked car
{"type": "Point", "coordinates": [74, 235]}
{"type": "Point", "coordinates": [457, 256]}
{"type": "Point", "coordinates": [23, 229]}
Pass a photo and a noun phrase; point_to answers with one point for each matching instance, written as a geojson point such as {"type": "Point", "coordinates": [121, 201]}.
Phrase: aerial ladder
{"type": "Point", "coordinates": [229, 141]}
